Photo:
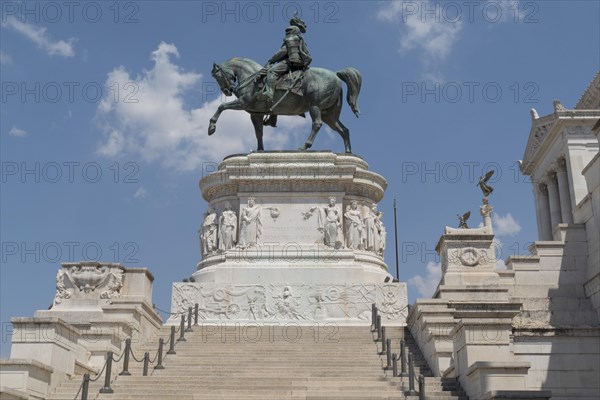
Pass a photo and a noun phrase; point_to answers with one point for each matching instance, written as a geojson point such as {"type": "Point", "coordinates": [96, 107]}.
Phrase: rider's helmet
{"type": "Point", "coordinates": [295, 21]}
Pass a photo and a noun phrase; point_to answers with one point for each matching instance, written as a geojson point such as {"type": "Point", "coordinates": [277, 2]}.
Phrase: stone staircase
{"type": "Point", "coordinates": [271, 362]}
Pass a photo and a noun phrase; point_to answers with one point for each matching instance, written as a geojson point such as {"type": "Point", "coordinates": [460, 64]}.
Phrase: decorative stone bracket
{"type": "Point", "coordinates": [89, 280]}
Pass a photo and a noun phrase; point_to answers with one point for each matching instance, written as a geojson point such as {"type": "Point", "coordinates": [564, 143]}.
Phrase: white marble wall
{"type": "Point", "coordinates": [308, 245]}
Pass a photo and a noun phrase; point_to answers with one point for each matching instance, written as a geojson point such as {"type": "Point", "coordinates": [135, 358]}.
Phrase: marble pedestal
{"type": "Point", "coordinates": [307, 245]}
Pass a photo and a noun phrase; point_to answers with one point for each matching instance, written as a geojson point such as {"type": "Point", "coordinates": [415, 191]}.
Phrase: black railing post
{"type": "Point", "coordinates": [421, 387]}
{"type": "Point", "coordinates": [388, 353]}
{"type": "Point", "coordinates": [411, 377]}
{"type": "Point", "coordinates": [403, 359]}
{"type": "Point", "coordinates": [85, 387]}
{"type": "Point", "coordinates": [196, 309]}
{"type": "Point", "coordinates": [146, 361]}
{"type": "Point", "coordinates": [172, 341]}
{"type": "Point", "coordinates": [125, 371]}
{"type": "Point", "coordinates": [182, 330]}
{"type": "Point", "coordinates": [394, 365]}
{"type": "Point", "coordinates": [107, 373]}
{"type": "Point", "coordinates": [161, 343]}
{"type": "Point", "coordinates": [378, 328]}
{"type": "Point", "coordinates": [189, 320]}
{"type": "Point", "coordinates": [383, 340]}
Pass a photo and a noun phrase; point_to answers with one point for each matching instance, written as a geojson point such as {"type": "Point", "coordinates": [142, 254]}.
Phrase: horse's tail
{"type": "Point", "coordinates": [354, 81]}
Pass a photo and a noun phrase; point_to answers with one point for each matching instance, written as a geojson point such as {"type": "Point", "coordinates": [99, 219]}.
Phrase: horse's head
{"type": "Point", "coordinates": [224, 78]}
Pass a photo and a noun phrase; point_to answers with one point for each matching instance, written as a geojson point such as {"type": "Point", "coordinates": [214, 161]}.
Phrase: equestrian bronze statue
{"type": "Point", "coordinates": [287, 86]}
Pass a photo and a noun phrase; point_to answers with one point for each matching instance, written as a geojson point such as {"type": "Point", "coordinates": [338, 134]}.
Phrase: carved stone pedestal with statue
{"type": "Point", "coordinates": [465, 331]}
{"type": "Point", "coordinates": [299, 238]}
{"type": "Point", "coordinates": [96, 307]}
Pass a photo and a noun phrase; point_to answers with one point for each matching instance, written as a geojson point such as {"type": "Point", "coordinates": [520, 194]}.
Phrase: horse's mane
{"type": "Point", "coordinates": [248, 65]}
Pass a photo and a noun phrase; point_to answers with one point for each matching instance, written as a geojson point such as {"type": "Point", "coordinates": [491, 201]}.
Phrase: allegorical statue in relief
{"type": "Point", "coordinates": [227, 228]}
{"type": "Point", "coordinates": [251, 224]}
{"type": "Point", "coordinates": [381, 234]}
{"type": "Point", "coordinates": [354, 226]}
{"type": "Point", "coordinates": [209, 233]}
{"type": "Point", "coordinates": [330, 223]}
{"type": "Point", "coordinates": [370, 233]}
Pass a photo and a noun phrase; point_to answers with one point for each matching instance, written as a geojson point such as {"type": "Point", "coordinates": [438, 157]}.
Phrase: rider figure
{"type": "Point", "coordinates": [293, 55]}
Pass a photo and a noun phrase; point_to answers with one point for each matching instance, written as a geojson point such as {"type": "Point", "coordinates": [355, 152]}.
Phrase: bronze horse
{"type": "Point", "coordinates": [322, 97]}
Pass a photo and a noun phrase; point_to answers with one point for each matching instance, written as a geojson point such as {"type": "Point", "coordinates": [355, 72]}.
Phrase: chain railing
{"type": "Point", "coordinates": [128, 355]}
{"type": "Point", "coordinates": [392, 358]}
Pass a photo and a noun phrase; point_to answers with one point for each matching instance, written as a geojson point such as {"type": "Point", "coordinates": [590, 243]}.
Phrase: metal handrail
{"type": "Point", "coordinates": [128, 353]}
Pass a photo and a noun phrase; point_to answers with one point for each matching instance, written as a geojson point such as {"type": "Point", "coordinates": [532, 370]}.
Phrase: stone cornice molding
{"type": "Point", "coordinates": [543, 129]}
{"type": "Point", "coordinates": [293, 172]}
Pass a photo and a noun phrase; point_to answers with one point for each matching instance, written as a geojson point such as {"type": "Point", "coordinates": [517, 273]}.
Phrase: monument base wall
{"type": "Point", "coordinates": [292, 237]}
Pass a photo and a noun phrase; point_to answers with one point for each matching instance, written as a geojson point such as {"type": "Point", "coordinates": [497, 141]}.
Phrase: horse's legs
{"type": "Point", "coordinates": [232, 105]}
{"type": "Point", "coordinates": [335, 124]}
{"type": "Point", "coordinates": [315, 114]}
{"type": "Point", "coordinates": [258, 122]}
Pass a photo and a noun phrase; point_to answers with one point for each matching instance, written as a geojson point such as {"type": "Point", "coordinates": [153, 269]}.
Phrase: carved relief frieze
{"type": "Point", "coordinates": [290, 302]}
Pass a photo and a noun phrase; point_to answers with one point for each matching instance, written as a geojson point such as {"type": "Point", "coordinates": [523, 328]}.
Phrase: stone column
{"type": "Point", "coordinates": [555, 214]}
{"type": "Point", "coordinates": [564, 192]}
{"type": "Point", "coordinates": [486, 212]}
{"type": "Point", "coordinates": [544, 212]}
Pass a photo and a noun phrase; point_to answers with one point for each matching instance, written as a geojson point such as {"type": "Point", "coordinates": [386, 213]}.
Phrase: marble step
{"type": "Point", "coordinates": [228, 367]}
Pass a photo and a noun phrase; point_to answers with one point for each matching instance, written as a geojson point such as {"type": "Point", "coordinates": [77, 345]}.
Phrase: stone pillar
{"type": "Point", "coordinates": [564, 192]}
{"type": "Point", "coordinates": [544, 212]}
{"type": "Point", "coordinates": [486, 212]}
{"type": "Point", "coordinates": [554, 200]}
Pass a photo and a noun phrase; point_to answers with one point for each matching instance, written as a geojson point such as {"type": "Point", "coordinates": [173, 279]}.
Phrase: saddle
{"type": "Point", "coordinates": [291, 78]}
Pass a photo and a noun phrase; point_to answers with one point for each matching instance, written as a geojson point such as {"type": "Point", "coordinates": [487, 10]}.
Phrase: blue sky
{"type": "Point", "coordinates": [107, 107]}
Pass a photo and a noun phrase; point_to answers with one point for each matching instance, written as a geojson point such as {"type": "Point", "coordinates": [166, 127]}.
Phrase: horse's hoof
{"type": "Point", "coordinates": [301, 148]}
{"type": "Point", "coordinates": [211, 129]}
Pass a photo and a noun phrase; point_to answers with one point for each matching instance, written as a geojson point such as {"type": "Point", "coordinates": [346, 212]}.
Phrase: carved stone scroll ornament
{"type": "Point", "coordinates": [115, 283]}
{"type": "Point", "coordinates": [85, 279]}
{"type": "Point", "coordinates": [62, 293]}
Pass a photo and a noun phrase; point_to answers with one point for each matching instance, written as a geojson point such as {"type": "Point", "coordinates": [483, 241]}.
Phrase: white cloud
{"type": "Point", "coordinates": [505, 226]}
{"type": "Point", "coordinates": [39, 36]}
{"type": "Point", "coordinates": [390, 12]}
{"type": "Point", "coordinates": [141, 193]}
{"type": "Point", "coordinates": [498, 11]}
{"type": "Point", "coordinates": [17, 132]}
{"type": "Point", "coordinates": [426, 286]}
{"type": "Point", "coordinates": [434, 38]}
{"type": "Point", "coordinates": [430, 30]}
{"type": "Point", "coordinates": [159, 127]}
{"type": "Point", "coordinates": [5, 59]}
